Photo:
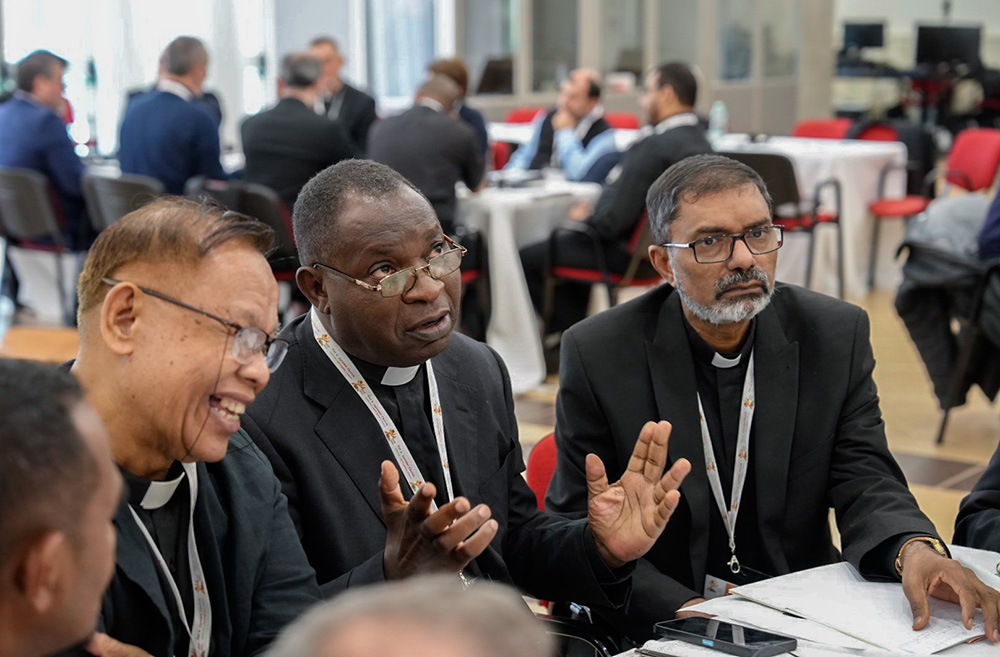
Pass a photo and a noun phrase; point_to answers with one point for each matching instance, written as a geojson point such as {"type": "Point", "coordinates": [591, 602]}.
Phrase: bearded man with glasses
{"type": "Point", "coordinates": [769, 389]}
{"type": "Point", "coordinates": [385, 422]}
{"type": "Point", "coordinates": [177, 316]}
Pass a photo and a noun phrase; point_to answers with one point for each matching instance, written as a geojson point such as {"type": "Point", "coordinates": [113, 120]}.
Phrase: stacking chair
{"type": "Point", "coordinates": [476, 306]}
{"type": "Point", "coordinates": [972, 166]}
{"type": "Point", "coordinates": [622, 120]}
{"type": "Point", "coordinates": [264, 204]}
{"type": "Point", "coordinates": [795, 214]}
{"type": "Point", "coordinates": [639, 272]}
{"type": "Point", "coordinates": [823, 128]}
{"type": "Point", "coordinates": [109, 199]}
{"type": "Point", "coordinates": [29, 219]}
{"type": "Point", "coordinates": [525, 114]}
{"type": "Point", "coordinates": [541, 465]}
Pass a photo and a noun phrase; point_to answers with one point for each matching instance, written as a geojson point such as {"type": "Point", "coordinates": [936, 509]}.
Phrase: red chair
{"type": "Point", "coordinates": [823, 128]}
{"type": "Point", "coordinates": [972, 166]}
{"type": "Point", "coordinates": [541, 465]}
{"type": "Point", "coordinates": [524, 114]}
{"type": "Point", "coordinates": [501, 154]}
{"type": "Point", "coordinates": [637, 273]}
{"type": "Point", "coordinates": [878, 132]}
{"type": "Point", "coordinates": [622, 120]}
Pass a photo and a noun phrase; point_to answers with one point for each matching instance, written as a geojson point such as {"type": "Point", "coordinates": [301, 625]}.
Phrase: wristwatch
{"type": "Point", "coordinates": [934, 543]}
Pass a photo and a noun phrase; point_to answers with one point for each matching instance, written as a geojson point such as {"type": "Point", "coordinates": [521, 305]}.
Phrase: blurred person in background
{"type": "Point", "coordinates": [339, 101]}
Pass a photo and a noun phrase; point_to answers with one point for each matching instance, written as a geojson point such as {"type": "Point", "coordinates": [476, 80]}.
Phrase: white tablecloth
{"type": "Point", "coordinates": [857, 165]}
{"type": "Point", "coordinates": [510, 219]}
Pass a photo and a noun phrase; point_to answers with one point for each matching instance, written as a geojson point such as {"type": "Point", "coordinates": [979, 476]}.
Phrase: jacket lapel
{"type": "Point", "coordinates": [671, 369]}
{"type": "Point", "coordinates": [776, 386]}
{"type": "Point", "coordinates": [134, 561]}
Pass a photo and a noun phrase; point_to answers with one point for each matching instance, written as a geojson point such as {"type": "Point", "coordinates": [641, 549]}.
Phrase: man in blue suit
{"type": "Point", "coordinates": [164, 134]}
{"type": "Point", "coordinates": [33, 134]}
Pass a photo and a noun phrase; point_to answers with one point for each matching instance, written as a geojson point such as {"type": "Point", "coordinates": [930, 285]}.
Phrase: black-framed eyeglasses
{"type": "Point", "coordinates": [401, 281]}
{"type": "Point", "coordinates": [719, 248]}
{"type": "Point", "coordinates": [249, 341]}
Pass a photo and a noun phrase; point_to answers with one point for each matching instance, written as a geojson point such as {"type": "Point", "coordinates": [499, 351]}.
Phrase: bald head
{"type": "Point", "coordinates": [580, 93]}
{"type": "Point", "coordinates": [442, 89]}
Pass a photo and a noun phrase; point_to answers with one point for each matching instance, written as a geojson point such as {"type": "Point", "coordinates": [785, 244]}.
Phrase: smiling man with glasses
{"type": "Point", "coordinates": [376, 383]}
{"type": "Point", "coordinates": [177, 316]}
{"type": "Point", "coordinates": [769, 389]}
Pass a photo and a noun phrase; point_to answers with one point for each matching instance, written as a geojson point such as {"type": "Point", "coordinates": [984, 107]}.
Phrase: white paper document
{"type": "Point", "coordinates": [874, 612]}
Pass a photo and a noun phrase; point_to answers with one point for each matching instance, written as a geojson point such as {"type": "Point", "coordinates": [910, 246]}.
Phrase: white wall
{"type": "Point", "coordinates": [296, 22]}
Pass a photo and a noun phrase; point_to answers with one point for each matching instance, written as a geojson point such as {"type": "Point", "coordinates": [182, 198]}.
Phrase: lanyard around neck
{"type": "Point", "coordinates": [729, 515]}
{"type": "Point", "coordinates": [200, 628]}
{"type": "Point", "coordinates": [392, 436]}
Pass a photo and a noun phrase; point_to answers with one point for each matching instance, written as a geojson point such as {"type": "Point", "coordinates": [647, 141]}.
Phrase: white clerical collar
{"type": "Point", "coordinates": [723, 363]}
{"type": "Point", "coordinates": [398, 376]}
{"type": "Point", "coordinates": [676, 121]}
{"type": "Point", "coordinates": [160, 492]}
{"type": "Point", "coordinates": [176, 88]}
{"type": "Point", "coordinates": [431, 103]}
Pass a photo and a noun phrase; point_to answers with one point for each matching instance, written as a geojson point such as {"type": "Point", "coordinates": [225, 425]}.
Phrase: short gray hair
{"type": "Point", "coordinates": [490, 616]}
{"type": "Point", "coordinates": [689, 180]}
{"type": "Point", "coordinates": [300, 70]}
{"type": "Point", "coordinates": [183, 54]}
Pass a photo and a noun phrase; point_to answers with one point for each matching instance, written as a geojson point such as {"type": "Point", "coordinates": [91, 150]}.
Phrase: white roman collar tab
{"type": "Point", "coordinates": [159, 493]}
{"type": "Point", "coordinates": [723, 363]}
{"type": "Point", "coordinates": [398, 376]}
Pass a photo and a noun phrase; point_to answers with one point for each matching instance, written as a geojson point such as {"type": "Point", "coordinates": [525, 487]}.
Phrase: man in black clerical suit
{"type": "Point", "coordinates": [59, 491]}
{"type": "Point", "coordinates": [340, 102]}
{"type": "Point", "coordinates": [375, 378]}
{"type": "Point", "coordinates": [673, 133]}
{"type": "Point", "coordinates": [786, 385]}
{"type": "Point", "coordinates": [430, 147]}
{"type": "Point", "coordinates": [288, 144]}
{"type": "Point", "coordinates": [177, 309]}
{"type": "Point", "coordinates": [978, 521]}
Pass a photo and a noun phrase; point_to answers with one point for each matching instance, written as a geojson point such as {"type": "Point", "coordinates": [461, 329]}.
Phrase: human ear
{"type": "Point", "coordinates": [44, 565]}
{"type": "Point", "coordinates": [661, 263]}
{"type": "Point", "coordinates": [119, 316]}
{"type": "Point", "coordinates": [310, 281]}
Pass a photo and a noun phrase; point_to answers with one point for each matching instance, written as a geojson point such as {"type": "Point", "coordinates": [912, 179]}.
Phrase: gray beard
{"type": "Point", "coordinates": [729, 311]}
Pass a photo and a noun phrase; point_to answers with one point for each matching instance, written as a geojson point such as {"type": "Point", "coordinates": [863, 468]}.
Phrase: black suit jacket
{"type": "Point", "coordinates": [432, 150]}
{"type": "Point", "coordinates": [623, 200]}
{"type": "Point", "coordinates": [978, 521]}
{"type": "Point", "coordinates": [256, 573]}
{"type": "Point", "coordinates": [289, 144]}
{"type": "Point", "coordinates": [356, 114]}
{"type": "Point", "coordinates": [818, 438]}
{"type": "Point", "coordinates": [327, 448]}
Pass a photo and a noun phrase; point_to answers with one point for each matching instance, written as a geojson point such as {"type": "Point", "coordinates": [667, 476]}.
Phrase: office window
{"type": "Point", "coordinates": [554, 27]}
{"type": "Point", "coordinates": [400, 37]}
{"type": "Point", "coordinates": [678, 33]}
{"type": "Point", "coordinates": [489, 37]}
{"type": "Point", "coordinates": [779, 37]}
{"type": "Point", "coordinates": [622, 24]}
{"type": "Point", "coordinates": [735, 34]}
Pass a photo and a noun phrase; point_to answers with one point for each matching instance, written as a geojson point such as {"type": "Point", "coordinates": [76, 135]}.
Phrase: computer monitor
{"type": "Point", "coordinates": [864, 35]}
{"type": "Point", "coordinates": [948, 44]}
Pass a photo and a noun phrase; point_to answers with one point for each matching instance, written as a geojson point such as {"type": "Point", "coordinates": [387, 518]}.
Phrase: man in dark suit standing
{"type": "Point", "coordinates": [455, 69]}
{"type": "Point", "coordinates": [351, 107]}
{"type": "Point", "coordinates": [177, 308]}
{"type": "Point", "coordinates": [289, 144]}
{"type": "Point", "coordinates": [33, 135]}
{"type": "Point", "coordinates": [164, 134]}
{"type": "Point", "coordinates": [673, 134]}
{"type": "Point", "coordinates": [769, 389]}
{"type": "Point", "coordinates": [376, 379]}
{"type": "Point", "coordinates": [431, 148]}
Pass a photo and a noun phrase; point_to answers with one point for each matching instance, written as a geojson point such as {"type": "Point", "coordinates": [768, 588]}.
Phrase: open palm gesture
{"type": "Point", "coordinates": [628, 516]}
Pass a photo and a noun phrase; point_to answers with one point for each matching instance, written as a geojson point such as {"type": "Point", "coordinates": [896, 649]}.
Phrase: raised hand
{"type": "Point", "coordinates": [101, 645]}
{"type": "Point", "coordinates": [418, 541]}
{"type": "Point", "coordinates": [628, 516]}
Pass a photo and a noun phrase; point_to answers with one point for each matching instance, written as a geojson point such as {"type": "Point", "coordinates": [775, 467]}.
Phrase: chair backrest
{"type": "Point", "coordinates": [622, 120]}
{"type": "Point", "coordinates": [779, 177]}
{"type": "Point", "coordinates": [222, 192]}
{"type": "Point", "coordinates": [26, 210]}
{"type": "Point", "coordinates": [501, 154]}
{"type": "Point", "coordinates": [263, 203]}
{"type": "Point", "coordinates": [878, 132]}
{"type": "Point", "coordinates": [110, 199]}
{"type": "Point", "coordinates": [523, 114]}
{"type": "Point", "coordinates": [974, 158]}
{"type": "Point", "coordinates": [541, 465]}
{"type": "Point", "coordinates": [823, 128]}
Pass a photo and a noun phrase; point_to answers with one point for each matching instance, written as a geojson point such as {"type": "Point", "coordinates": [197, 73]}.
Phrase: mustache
{"type": "Point", "coordinates": [742, 277]}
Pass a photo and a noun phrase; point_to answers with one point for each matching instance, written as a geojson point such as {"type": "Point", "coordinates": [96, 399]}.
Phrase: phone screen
{"type": "Point", "coordinates": [721, 631]}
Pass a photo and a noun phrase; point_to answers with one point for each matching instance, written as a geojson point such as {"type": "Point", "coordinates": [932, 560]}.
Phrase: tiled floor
{"type": "Point", "coordinates": [939, 475]}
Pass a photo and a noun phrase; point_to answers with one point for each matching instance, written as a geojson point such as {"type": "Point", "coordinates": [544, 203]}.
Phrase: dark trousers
{"type": "Point", "coordinates": [571, 297]}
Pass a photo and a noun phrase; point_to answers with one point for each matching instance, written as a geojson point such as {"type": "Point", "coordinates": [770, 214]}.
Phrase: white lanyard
{"type": "Point", "coordinates": [740, 468]}
{"type": "Point", "coordinates": [392, 435]}
{"type": "Point", "coordinates": [201, 632]}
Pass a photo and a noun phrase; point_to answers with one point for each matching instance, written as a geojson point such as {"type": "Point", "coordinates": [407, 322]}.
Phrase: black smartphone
{"type": "Point", "coordinates": [726, 637]}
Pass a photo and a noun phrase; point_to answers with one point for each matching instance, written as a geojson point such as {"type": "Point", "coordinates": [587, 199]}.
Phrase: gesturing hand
{"type": "Point", "coordinates": [101, 645]}
{"type": "Point", "coordinates": [628, 516]}
{"type": "Point", "coordinates": [420, 541]}
{"type": "Point", "coordinates": [927, 572]}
